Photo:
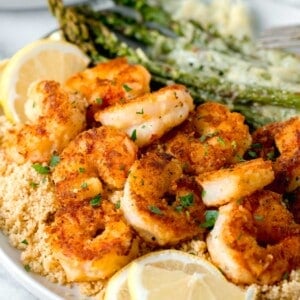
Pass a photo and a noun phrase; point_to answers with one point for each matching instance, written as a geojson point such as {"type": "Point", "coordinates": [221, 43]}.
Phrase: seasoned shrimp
{"type": "Point", "coordinates": [159, 203]}
{"type": "Point", "coordinates": [148, 117]}
{"type": "Point", "coordinates": [240, 180]}
{"type": "Point", "coordinates": [102, 153]}
{"type": "Point", "coordinates": [212, 138]}
{"type": "Point", "coordinates": [255, 240]}
{"type": "Point", "coordinates": [91, 242]}
{"type": "Point", "coordinates": [56, 117]}
{"type": "Point", "coordinates": [111, 82]}
{"type": "Point", "coordinates": [282, 137]}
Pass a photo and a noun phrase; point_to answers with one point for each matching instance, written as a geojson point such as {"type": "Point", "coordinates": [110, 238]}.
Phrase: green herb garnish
{"type": "Point", "coordinates": [33, 184]}
{"type": "Point", "coordinates": [27, 268]}
{"type": "Point", "coordinates": [96, 201]}
{"type": "Point", "coordinates": [41, 169]}
{"type": "Point", "coordinates": [127, 88]}
{"type": "Point", "coordinates": [55, 159]}
{"type": "Point", "coordinates": [84, 185]}
{"type": "Point", "coordinates": [155, 210]}
{"type": "Point", "coordinates": [133, 135]}
{"type": "Point", "coordinates": [81, 170]}
{"type": "Point", "coordinates": [99, 101]}
{"type": "Point", "coordinates": [258, 217]}
{"type": "Point", "coordinates": [210, 218]}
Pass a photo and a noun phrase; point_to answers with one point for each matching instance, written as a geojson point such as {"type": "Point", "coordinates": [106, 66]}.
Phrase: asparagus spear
{"type": "Point", "coordinates": [208, 36]}
{"type": "Point", "coordinates": [100, 40]}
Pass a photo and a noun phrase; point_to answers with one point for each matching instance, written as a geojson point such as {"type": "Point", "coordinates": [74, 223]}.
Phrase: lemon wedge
{"type": "Point", "coordinates": [44, 59]}
{"type": "Point", "coordinates": [173, 274]}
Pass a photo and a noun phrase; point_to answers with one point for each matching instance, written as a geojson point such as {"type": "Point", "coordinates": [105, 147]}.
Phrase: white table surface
{"type": "Point", "coordinates": [18, 28]}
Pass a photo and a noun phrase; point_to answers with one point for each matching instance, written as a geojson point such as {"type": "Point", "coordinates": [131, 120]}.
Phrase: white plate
{"type": "Point", "coordinates": [267, 13]}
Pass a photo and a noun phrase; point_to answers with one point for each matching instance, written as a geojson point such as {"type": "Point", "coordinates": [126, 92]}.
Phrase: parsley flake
{"type": "Point", "coordinates": [155, 210]}
{"type": "Point", "coordinates": [127, 88]}
{"type": "Point", "coordinates": [41, 169]}
{"type": "Point", "coordinates": [99, 101]}
{"type": "Point", "coordinates": [252, 154]}
{"type": "Point", "coordinates": [258, 217]}
{"type": "Point", "coordinates": [271, 155]}
{"type": "Point", "coordinates": [210, 218]}
{"type": "Point", "coordinates": [84, 185]}
{"type": "Point", "coordinates": [27, 268]}
{"type": "Point", "coordinates": [24, 242]}
{"type": "Point", "coordinates": [55, 159]}
{"type": "Point", "coordinates": [96, 201]}
{"type": "Point", "coordinates": [33, 184]}
{"type": "Point", "coordinates": [81, 170]}
{"type": "Point", "coordinates": [187, 200]}
{"type": "Point", "coordinates": [118, 204]}
{"type": "Point", "coordinates": [140, 112]}
{"type": "Point", "coordinates": [133, 135]}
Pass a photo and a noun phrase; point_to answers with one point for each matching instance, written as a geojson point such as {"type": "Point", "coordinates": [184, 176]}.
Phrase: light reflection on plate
{"type": "Point", "coordinates": [266, 13]}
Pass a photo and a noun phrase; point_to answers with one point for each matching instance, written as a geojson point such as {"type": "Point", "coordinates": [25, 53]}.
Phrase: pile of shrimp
{"type": "Point", "coordinates": [172, 162]}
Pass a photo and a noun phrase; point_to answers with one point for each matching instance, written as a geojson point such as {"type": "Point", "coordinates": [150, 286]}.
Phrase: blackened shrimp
{"type": "Point", "coordinates": [55, 118]}
{"type": "Point", "coordinates": [148, 117]}
{"type": "Point", "coordinates": [255, 239]}
{"type": "Point", "coordinates": [97, 155]}
{"type": "Point", "coordinates": [91, 240]}
{"type": "Point", "coordinates": [234, 183]}
{"type": "Point", "coordinates": [280, 143]}
{"type": "Point", "coordinates": [108, 83]}
{"type": "Point", "coordinates": [213, 138]}
{"type": "Point", "coordinates": [161, 204]}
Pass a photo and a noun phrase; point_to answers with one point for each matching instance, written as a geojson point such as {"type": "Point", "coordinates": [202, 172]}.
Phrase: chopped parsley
{"type": "Point", "coordinates": [33, 184]}
{"type": "Point", "coordinates": [221, 140]}
{"type": "Point", "coordinates": [27, 268]}
{"type": "Point", "coordinates": [210, 218]}
{"type": "Point", "coordinates": [204, 137]}
{"type": "Point", "coordinates": [258, 217]}
{"type": "Point", "coordinates": [140, 112]}
{"type": "Point", "coordinates": [127, 88]}
{"type": "Point", "coordinates": [256, 145]}
{"type": "Point", "coordinates": [41, 169]}
{"type": "Point", "coordinates": [54, 161]}
{"type": "Point", "coordinates": [271, 155]}
{"type": "Point", "coordinates": [84, 185]}
{"type": "Point", "coordinates": [252, 154]}
{"type": "Point", "coordinates": [81, 170]}
{"type": "Point", "coordinates": [99, 101]}
{"type": "Point", "coordinates": [24, 242]}
{"type": "Point", "coordinates": [133, 135]}
{"type": "Point", "coordinates": [96, 201]}
{"type": "Point", "coordinates": [118, 204]}
{"type": "Point", "coordinates": [155, 210]}
{"type": "Point", "coordinates": [185, 201]}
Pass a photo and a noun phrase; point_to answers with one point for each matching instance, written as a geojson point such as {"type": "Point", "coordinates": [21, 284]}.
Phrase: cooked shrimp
{"type": "Point", "coordinates": [115, 81]}
{"type": "Point", "coordinates": [282, 137]}
{"type": "Point", "coordinates": [103, 153]}
{"type": "Point", "coordinates": [159, 203]}
{"type": "Point", "coordinates": [91, 242]}
{"type": "Point", "coordinates": [236, 182]}
{"type": "Point", "coordinates": [56, 117]}
{"type": "Point", "coordinates": [148, 117]}
{"type": "Point", "coordinates": [213, 138]}
{"type": "Point", "coordinates": [255, 240]}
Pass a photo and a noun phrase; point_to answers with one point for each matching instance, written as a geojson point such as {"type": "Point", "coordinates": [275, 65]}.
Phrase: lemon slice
{"type": "Point", "coordinates": [172, 274]}
{"type": "Point", "coordinates": [41, 60]}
